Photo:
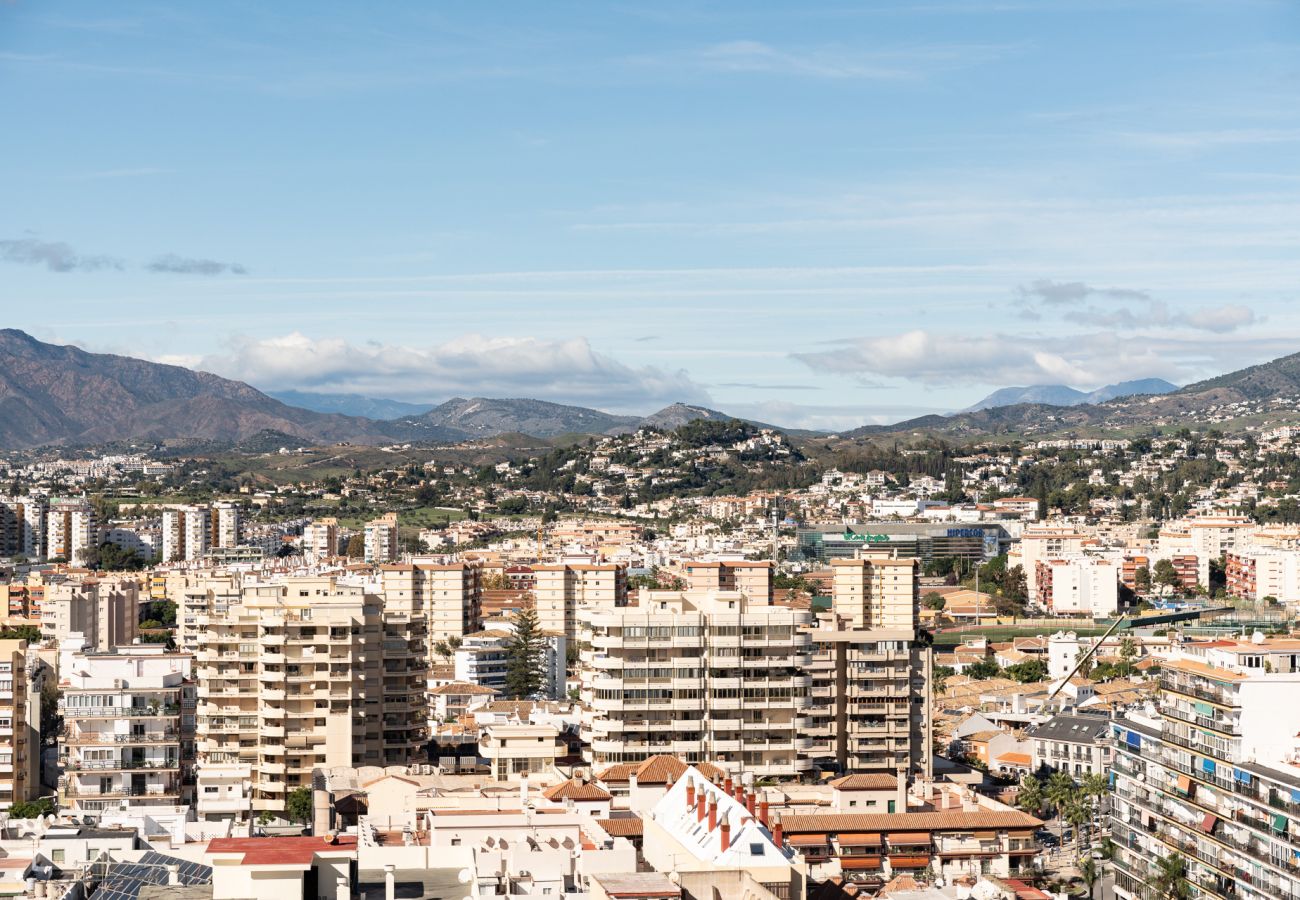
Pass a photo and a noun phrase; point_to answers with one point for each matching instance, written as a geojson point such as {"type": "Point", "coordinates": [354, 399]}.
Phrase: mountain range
{"type": "Point", "coordinates": [52, 394]}
{"type": "Point", "coordinates": [1062, 395]}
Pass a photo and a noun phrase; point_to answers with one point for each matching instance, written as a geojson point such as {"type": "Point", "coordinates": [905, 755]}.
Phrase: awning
{"type": "Point", "coordinates": [1204, 709]}
{"type": "Point", "coordinates": [860, 862]}
{"type": "Point", "coordinates": [1184, 784]}
{"type": "Point", "coordinates": [909, 862]}
{"type": "Point", "coordinates": [805, 840]}
{"type": "Point", "coordinates": [1207, 824]}
{"type": "Point", "coordinates": [1295, 795]}
{"type": "Point", "coordinates": [985, 835]}
{"type": "Point", "coordinates": [909, 839]}
{"type": "Point", "coordinates": [867, 839]}
{"type": "Point", "coordinates": [1279, 823]}
{"type": "Point", "coordinates": [1133, 739]}
{"type": "Point", "coordinates": [1239, 775]}
{"type": "Point", "coordinates": [1207, 765]}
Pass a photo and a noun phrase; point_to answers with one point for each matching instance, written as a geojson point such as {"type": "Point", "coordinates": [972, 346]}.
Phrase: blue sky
{"type": "Point", "coordinates": [819, 215]}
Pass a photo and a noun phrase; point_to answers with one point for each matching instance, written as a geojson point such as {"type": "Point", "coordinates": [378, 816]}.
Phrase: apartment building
{"type": "Point", "coordinates": [186, 533]}
{"type": "Point", "coordinates": [102, 612]}
{"type": "Point", "coordinates": [26, 595]}
{"type": "Point", "coordinates": [199, 593]}
{"type": "Point", "coordinates": [708, 676]}
{"type": "Point", "coordinates": [451, 596]}
{"type": "Point", "coordinates": [71, 531]}
{"type": "Point", "coordinates": [128, 729]}
{"type": "Point", "coordinates": [753, 579]}
{"type": "Point", "coordinates": [876, 593]}
{"type": "Point", "coordinates": [320, 539]}
{"type": "Point", "coordinates": [227, 527]}
{"type": "Point", "coordinates": [381, 539]}
{"type": "Point", "coordinates": [22, 527]}
{"type": "Point", "coordinates": [1043, 543]}
{"type": "Point", "coordinates": [1078, 745]}
{"type": "Point", "coordinates": [868, 705]}
{"type": "Point", "coordinates": [483, 659]}
{"type": "Point", "coordinates": [20, 724]}
{"type": "Point", "coordinates": [1214, 775]}
{"type": "Point", "coordinates": [308, 672]}
{"type": "Point", "coordinates": [562, 590]}
{"type": "Point", "coordinates": [1254, 573]}
{"type": "Point", "coordinates": [1083, 585]}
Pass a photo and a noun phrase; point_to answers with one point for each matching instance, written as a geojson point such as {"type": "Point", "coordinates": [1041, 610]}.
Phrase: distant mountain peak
{"type": "Point", "coordinates": [1063, 395]}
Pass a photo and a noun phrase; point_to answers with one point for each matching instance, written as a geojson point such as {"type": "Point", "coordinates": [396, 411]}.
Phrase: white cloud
{"type": "Point", "coordinates": [567, 371]}
{"type": "Point", "coordinates": [1081, 361]}
{"type": "Point", "coordinates": [1130, 309]}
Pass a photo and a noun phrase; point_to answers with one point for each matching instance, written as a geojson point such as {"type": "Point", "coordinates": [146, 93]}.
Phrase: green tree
{"type": "Point", "coordinates": [934, 600]}
{"type": "Point", "coordinates": [32, 808]}
{"type": "Point", "coordinates": [1059, 791]}
{"type": "Point", "coordinates": [1030, 798]}
{"type": "Point", "coordinates": [941, 676]}
{"type": "Point", "coordinates": [985, 668]}
{"type": "Point", "coordinates": [1170, 881]}
{"type": "Point", "coordinates": [298, 805]}
{"type": "Point", "coordinates": [1166, 574]}
{"type": "Point", "coordinates": [524, 656]}
{"type": "Point", "coordinates": [1090, 874]}
{"type": "Point", "coordinates": [1142, 578]}
{"type": "Point", "coordinates": [1030, 670]}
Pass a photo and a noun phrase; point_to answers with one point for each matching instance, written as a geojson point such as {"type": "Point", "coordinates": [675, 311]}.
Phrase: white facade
{"type": "Point", "coordinates": [1084, 585]}
{"type": "Point", "coordinates": [227, 525]}
{"type": "Point", "coordinates": [71, 531]}
{"type": "Point", "coordinates": [381, 539]}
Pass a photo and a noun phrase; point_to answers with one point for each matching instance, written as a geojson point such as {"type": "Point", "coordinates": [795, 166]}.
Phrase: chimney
{"type": "Point", "coordinates": [739, 793]}
{"type": "Point", "coordinates": [778, 833]}
{"type": "Point", "coordinates": [726, 835]}
{"type": "Point", "coordinates": [727, 786]}
{"type": "Point", "coordinates": [690, 792]}
{"type": "Point", "coordinates": [713, 813]}
{"type": "Point", "coordinates": [750, 800]}
{"type": "Point", "coordinates": [900, 804]}
{"type": "Point", "coordinates": [700, 802]}
{"type": "Point", "coordinates": [762, 813]}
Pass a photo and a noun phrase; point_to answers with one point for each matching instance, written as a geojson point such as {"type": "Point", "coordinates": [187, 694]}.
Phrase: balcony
{"type": "Point", "coordinates": [121, 712]}
{"type": "Point", "coordinates": [120, 765]}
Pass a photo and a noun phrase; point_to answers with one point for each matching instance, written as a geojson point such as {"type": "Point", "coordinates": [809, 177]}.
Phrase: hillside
{"type": "Point", "coordinates": [350, 404]}
{"type": "Point", "coordinates": [52, 394]}
{"type": "Point", "coordinates": [480, 417]}
{"type": "Point", "coordinates": [1063, 395]}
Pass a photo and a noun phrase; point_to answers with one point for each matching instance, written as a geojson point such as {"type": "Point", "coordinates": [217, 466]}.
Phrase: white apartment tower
{"type": "Point", "coordinates": [71, 531]}
{"type": "Point", "coordinates": [320, 539]}
{"type": "Point", "coordinates": [227, 525]}
{"type": "Point", "coordinates": [562, 590]}
{"type": "Point", "coordinates": [126, 728]}
{"type": "Point", "coordinates": [381, 539]}
{"type": "Point", "coordinates": [186, 532]}
{"type": "Point", "coordinates": [450, 595]}
{"type": "Point", "coordinates": [20, 724]}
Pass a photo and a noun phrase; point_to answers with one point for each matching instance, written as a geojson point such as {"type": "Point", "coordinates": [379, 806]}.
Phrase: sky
{"type": "Point", "coordinates": [818, 215]}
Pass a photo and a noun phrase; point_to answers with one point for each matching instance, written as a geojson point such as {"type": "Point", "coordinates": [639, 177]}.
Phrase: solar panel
{"type": "Point", "coordinates": [122, 881]}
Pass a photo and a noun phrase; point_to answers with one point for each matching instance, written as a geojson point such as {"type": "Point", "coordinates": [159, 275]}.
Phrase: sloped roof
{"type": "Point", "coordinates": [576, 789]}
{"type": "Point", "coordinates": [866, 782]}
{"type": "Point", "coordinates": [955, 820]}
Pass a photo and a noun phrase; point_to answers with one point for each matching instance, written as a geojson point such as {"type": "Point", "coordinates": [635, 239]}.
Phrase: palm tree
{"type": "Point", "coordinates": [1090, 874]}
{"type": "Point", "coordinates": [1059, 791]}
{"type": "Point", "coordinates": [1170, 882]}
{"type": "Point", "coordinates": [1096, 788]}
{"type": "Point", "coordinates": [1030, 796]}
{"type": "Point", "coordinates": [1077, 813]}
{"type": "Point", "coordinates": [442, 649]}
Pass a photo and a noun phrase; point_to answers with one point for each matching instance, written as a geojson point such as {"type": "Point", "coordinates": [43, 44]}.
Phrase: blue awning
{"type": "Point", "coordinates": [1133, 739]}
{"type": "Point", "coordinates": [1207, 765]}
{"type": "Point", "coordinates": [1295, 795]}
{"type": "Point", "coordinates": [1239, 775]}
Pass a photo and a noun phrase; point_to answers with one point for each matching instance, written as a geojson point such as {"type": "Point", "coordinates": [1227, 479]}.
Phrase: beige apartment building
{"type": "Point", "coordinates": [320, 539]}
{"type": "Point", "coordinates": [20, 725]}
{"type": "Point", "coordinates": [706, 676]}
{"type": "Point", "coordinates": [562, 590]}
{"type": "Point", "coordinates": [105, 612]}
{"type": "Point", "coordinates": [197, 594]}
{"type": "Point", "coordinates": [450, 595]}
{"type": "Point", "coordinates": [22, 527]}
{"type": "Point", "coordinates": [71, 531]}
{"type": "Point", "coordinates": [302, 673]}
{"type": "Point", "coordinates": [876, 593]}
{"type": "Point", "coordinates": [753, 579]}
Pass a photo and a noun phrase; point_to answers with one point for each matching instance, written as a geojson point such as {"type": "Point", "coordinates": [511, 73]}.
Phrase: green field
{"type": "Point", "coordinates": [950, 639]}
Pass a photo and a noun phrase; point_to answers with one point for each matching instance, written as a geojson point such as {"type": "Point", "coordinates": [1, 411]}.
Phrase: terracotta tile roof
{"type": "Point", "coordinates": [624, 826]}
{"type": "Point", "coordinates": [866, 782]}
{"type": "Point", "coordinates": [911, 821]}
{"type": "Point", "coordinates": [661, 769]}
{"type": "Point", "coordinates": [1015, 759]}
{"type": "Point", "coordinates": [280, 851]}
{"type": "Point", "coordinates": [463, 687]}
{"type": "Point", "coordinates": [575, 789]}
{"type": "Point", "coordinates": [618, 774]}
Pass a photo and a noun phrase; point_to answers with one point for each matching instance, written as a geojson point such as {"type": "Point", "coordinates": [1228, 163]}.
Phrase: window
{"type": "Point", "coordinates": [755, 849]}
{"type": "Point", "coordinates": [56, 856]}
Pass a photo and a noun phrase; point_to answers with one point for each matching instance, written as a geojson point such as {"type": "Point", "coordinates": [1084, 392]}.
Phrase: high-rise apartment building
{"type": "Point", "coordinates": [1214, 777]}
{"type": "Point", "coordinates": [320, 539]}
{"type": "Point", "coordinates": [104, 612]}
{"type": "Point", "coordinates": [706, 676]}
{"type": "Point", "coordinates": [307, 672]}
{"type": "Point", "coordinates": [20, 724]}
{"type": "Point", "coordinates": [227, 525]}
{"type": "Point", "coordinates": [450, 595]}
{"type": "Point", "coordinates": [186, 532]}
{"type": "Point", "coordinates": [562, 590]}
{"type": "Point", "coordinates": [753, 579]}
{"type": "Point", "coordinates": [870, 671]}
{"type": "Point", "coordinates": [128, 718]}
{"type": "Point", "coordinates": [381, 539]}
{"type": "Point", "coordinates": [198, 594]}
{"type": "Point", "coordinates": [71, 531]}
{"type": "Point", "coordinates": [22, 527]}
